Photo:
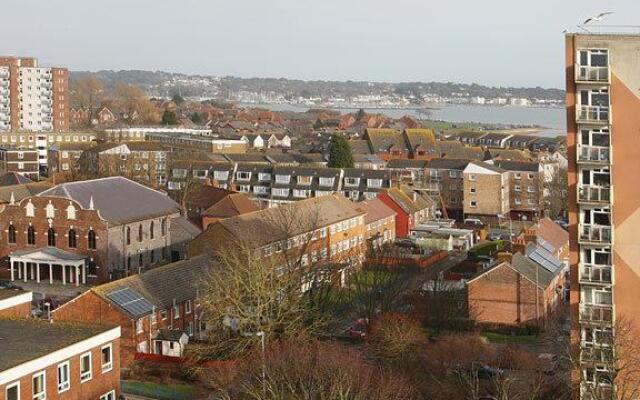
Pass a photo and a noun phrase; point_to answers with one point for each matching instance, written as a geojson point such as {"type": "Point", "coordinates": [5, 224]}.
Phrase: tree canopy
{"type": "Point", "coordinates": [169, 118]}
{"type": "Point", "coordinates": [340, 153]}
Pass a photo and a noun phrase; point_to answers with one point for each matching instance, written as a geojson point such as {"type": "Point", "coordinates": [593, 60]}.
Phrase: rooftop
{"type": "Point", "coordinates": [22, 340]}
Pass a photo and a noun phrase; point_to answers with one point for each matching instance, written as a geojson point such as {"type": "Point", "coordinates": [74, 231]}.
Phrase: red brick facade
{"type": "Point", "coordinates": [91, 307]}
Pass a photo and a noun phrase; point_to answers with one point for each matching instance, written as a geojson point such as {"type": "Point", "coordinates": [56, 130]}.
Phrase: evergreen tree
{"type": "Point", "coordinates": [177, 99]}
{"type": "Point", "coordinates": [340, 153]}
{"type": "Point", "coordinates": [196, 118]}
{"type": "Point", "coordinates": [318, 124]}
{"type": "Point", "coordinates": [360, 115]}
{"type": "Point", "coordinates": [169, 118]}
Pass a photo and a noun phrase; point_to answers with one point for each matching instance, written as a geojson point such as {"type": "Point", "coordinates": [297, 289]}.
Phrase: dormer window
{"type": "Point", "coordinates": [264, 177]}
{"type": "Point", "coordinates": [221, 175]}
{"type": "Point", "coordinates": [283, 179]}
{"type": "Point", "coordinates": [326, 181]}
{"type": "Point", "coordinates": [243, 175]}
{"type": "Point", "coordinates": [374, 183]}
{"type": "Point", "coordinates": [352, 181]}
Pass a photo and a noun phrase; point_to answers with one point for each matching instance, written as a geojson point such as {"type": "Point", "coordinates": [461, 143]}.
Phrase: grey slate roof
{"type": "Point", "coordinates": [517, 165]}
{"type": "Point", "coordinates": [404, 164]}
{"type": "Point", "coordinates": [449, 163]}
{"type": "Point", "coordinates": [22, 340]}
{"type": "Point", "coordinates": [527, 267]}
{"type": "Point", "coordinates": [117, 199]}
{"type": "Point", "coordinates": [160, 286]}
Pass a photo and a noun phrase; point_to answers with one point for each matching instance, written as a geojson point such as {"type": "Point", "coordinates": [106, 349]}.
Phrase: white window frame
{"type": "Point", "coordinates": [473, 204]}
{"type": "Point", "coordinates": [64, 386]}
{"type": "Point", "coordinates": [140, 325]}
{"type": "Point", "coordinates": [40, 395]}
{"type": "Point", "coordinates": [108, 366]}
{"type": "Point", "coordinates": [86, 376]}
{"type": "Point", "coordinates": [472, 177]}
{"type": "Point", "coordinates": [187, 307]}
{"type": "Point", "coordinates": [11, 386]}
{"type": "Point", "coordinates": [111, 395]}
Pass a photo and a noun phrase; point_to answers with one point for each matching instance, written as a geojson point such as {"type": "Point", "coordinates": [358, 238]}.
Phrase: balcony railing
{"type": "Point", "coordinates": [596, 354]}
{"type": "Point", "coordinates": [595, 274]}
{"type": "Point", "coordinates": [596, 314]}
{"type": "Point", "coordinates": [594, 194]}
{"type": "Point", "coordinates": [592, 74]}
{"type": "Point", "coordinates": [594, 154]}
{"type": "Point", "coordinates": [595, 234]}
{"type": "Point", "coordinates": [592, 114]}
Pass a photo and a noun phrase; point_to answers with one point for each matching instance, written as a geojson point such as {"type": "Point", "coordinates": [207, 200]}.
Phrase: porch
{"type": "Point", "coordinates": [48, 263]}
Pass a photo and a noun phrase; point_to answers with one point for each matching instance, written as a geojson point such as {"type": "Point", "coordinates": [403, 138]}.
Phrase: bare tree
{"type": "Point", "coordinates": [555, 193]}
{"type": "Point", "coordinates": [88, 92]}
{"type": "Point", "coordinates": [270, 287]}
{"type": "Point", "coordinates": [135, 105]}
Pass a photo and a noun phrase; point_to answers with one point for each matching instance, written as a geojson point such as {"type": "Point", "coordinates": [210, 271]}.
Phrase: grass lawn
{"type": "Point", "coordinates": [159, 391]}
{"type": "Point", "coordinates": [495, 337]}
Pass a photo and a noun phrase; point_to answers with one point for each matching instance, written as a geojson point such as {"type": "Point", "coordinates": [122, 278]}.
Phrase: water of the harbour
{"type": "Point", "coordinates": [553, 119]}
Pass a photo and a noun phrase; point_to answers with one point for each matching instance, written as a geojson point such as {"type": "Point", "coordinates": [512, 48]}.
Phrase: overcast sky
{"type": "Point", "coordinates": [493, 42]}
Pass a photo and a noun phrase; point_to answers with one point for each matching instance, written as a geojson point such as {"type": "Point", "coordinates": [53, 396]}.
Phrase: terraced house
{"type": "Point", "coordinates": [328, 228]}
{"type": "Point", "coordinates": [153, 309]}
{"type": "Point", "coordinates": [86, 231]}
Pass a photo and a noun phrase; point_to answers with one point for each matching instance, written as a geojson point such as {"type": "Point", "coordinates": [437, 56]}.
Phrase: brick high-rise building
{"type": "Point", "coordinates": [33, 98]}
{"type": "Point", "coordinates": [603, 120]}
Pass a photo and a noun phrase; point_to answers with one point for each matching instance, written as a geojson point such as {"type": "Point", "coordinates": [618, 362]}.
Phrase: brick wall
{"type": "Point", "coordinates": [99, 384]}
{"type": "Point", "coordinates": [19, 311]}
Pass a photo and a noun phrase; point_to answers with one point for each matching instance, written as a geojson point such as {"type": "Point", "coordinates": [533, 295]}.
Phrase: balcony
{"type": "Point", "coordinates": [594, 194]}
{"type": "Point", "coordinates": [594, 154]}
{"type": "Point", "coordinates": [592, 114]}
{"type": "Point", "coordinates": [592, 74]}
{"type": "Point", "coordinates": [596, 355]}
{"type": "Point", "coordinates": [595, 275]}
{"type": "Point", "coordinates": [595, 234]}
{"type": "Point", "coordinates": [596, 314]}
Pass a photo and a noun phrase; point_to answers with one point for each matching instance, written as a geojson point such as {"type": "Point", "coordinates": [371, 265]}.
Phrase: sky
{"type": "Point", "coordinates": [490, 42]}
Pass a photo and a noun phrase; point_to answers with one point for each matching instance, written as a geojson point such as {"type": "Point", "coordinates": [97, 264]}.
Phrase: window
{"type": "Point", "coordinates": [64, 381]}
{"type": "Point", "coordinates": [151, 230]}
{"type": "Point", "coordinates": [243, 175]}
{"type": "Point", "coordinates": [517, 188]}
{"type": "Point", "coordinates": [139, 325]}
{"type": "Point", "coordinates": [11, 236]}
{"type": "Point", "coordinates": [109, 396]}
{"type": "Point", "coordinates": [128, 235]}
{"type": "Point", "coordinates": [106, 358]}
{"type": "Point", "coordinates": [140, 233]}
{"type": "Point", "coordinates": [50, 211]}
{"type": "Point", "coordinates": [472, 177]}
{"type": "Point", "coordinates": [473, 204]}
{"type": "Point", "coordinates": [73, 240]}
{"type": "Point", "coordinates": [517, 175]}
{"type": "Point", "coordinates": [12, 392]}
{"type": "Point", "coordinates": [259, 189]}
{"type": "Point", "coordinates": [352, 181]}
{"type": "Point", "coordinates": [326, 181]}
{"type": "Point", "coordinates": [30, 209]}
{"type": "Point", "coordinates": [51, 237]}
{"type": "Point", "coordinates": [304, 180]}
{"type": "Point", "coordinates": [163, 227]}
{"type": "Point", "coordinates": [85, 367]}
{"type": "Point", "coordinates": [283, 178]}
{"type": "Point", "coordinates": [163, 314]}
{"type": "Point", "coordinates": [91, 239]}
{"type": "Point", "coordinates": [39, 388]}
{"type": "Point", "coordinates": [264, 177]}
{"type": "Point", "coordinates": [187, 307]}
{"type": "Point", "coordinates": [71, 212]}
{"type": "Point", "coordinates": [472, 189]}
{"type": "Point", "coordinates": [31, 235]}
{"type": "Point", "coordinates": [176, 311]}
{"type": "Point", "coordinates": [375, 183]}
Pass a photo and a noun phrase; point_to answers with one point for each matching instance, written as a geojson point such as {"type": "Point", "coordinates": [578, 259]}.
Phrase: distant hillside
{"type": "Point", "coordinates": [164, 84]}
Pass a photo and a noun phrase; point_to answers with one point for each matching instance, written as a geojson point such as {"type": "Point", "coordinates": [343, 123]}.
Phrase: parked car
{"type": "Point", "coordinates": [488, 372]}
{"type": "Point", "coordinates": [473, 222]}
{"type": "Point", "coordinates": [4, 284]}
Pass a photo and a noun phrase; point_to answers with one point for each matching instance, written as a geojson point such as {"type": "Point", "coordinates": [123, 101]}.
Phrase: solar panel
{"type": "Point", "coordinates": [543, 257]}
{"type": "Point", "coordinates": [131, 302]}
{"type": "Point", "coordinates": [546, 245]}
